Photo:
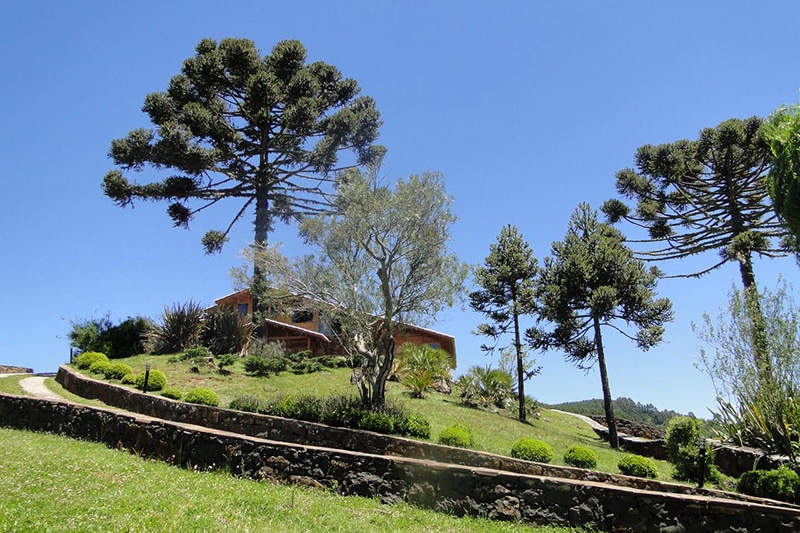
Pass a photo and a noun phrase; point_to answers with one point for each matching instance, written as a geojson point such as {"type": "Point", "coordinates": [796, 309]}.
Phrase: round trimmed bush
{"type": "Point", "coordinates": [581, 457]}
{"type": "Point", "coordinates": [377, 422]}
{"type": "Point", "coordinates": [202, 396]}
{"type": "Point", "coordinates": [637, 466]}
{"type": "Point", "coordinates": [99, 367]}
{"type": "Point", "coordinates": [86, 359]}
{"type": "Point", "coordinates": [155, 382]}
{"type": "Point", "coordinates": [458, 435]}
{"type": "Point", "coordinates": [172, 393]}
{"type": "Point", "coordinates": [117, 370]}
{"type": "Point", "coordinates": [530, 449]}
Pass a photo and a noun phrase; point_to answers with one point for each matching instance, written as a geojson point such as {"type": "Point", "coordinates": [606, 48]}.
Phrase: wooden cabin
{"type": "Point", "coordinates": [300, 329]}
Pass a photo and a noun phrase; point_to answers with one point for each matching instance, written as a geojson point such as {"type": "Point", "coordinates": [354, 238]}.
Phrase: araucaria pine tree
{"type": "Point", "coordinates": [267, 132]}
{"type": "Point", "coordinates": [592, 281]}
{"type": "Point", "coordinates": [507, 282]}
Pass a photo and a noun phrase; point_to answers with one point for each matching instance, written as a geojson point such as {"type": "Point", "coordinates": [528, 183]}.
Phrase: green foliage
{"type": "Point", "coordinates": [507, 293]}
{"type": "Point", "coordinates": [179, 330]}
{"type": "Point", "coordinates": [781, 484]}
{"type": "Point", "coordinates": [413, 425]}
{"type": "Point", "coordinates": [377, 422]}
{"type": "Point", "coordinates": [264, 366]}
{"type": "Point", "coordinates": [458, 436]}
{"type": "Point", "coordinates": [485, 387]}
{"type": "Point", "coordinates": [418, 367]}
{"type": "Point", "coordinates": [99, 367]}
{"type": "Point", "coordinates": [227, 359]}
{"type": "Point", "coordinates": [758, 400]}
{"type": "Point", "coordinates": [637, 466]}
{"type": "Point", "coordinates": [202, 396]}
{"type": "Point", "coordinates": [683, 450]}
{"type": "Point", "coordinates": [702, 196]}
{"type": "Point", "coordinates": [129, 379]}
{"type": "Point", "coordinates": [172, 393]}
{"type": "Point", "coordinates": [591, 282]}
{"type": "Point", "coordinates": [581, 457]}
{"type": "Point", "coordinates": [101, 335]}
{"type": "Point", "coordinates": [782, 132]}
{"type": "Point", "coordinates": [117, 370]}
{"type": "Point", "coordinates": [266, 130]}
{"type": "Point", "coordinates": [155, 381]}
{"type": "Point", "coordinates": [227, 331]}
{"type": "Point", "coordinates": [249, 403]}
{"type": "Point", "coordinates": [530, 449]}
{"type": "Point", "coordinates": [199, 352]}
{"type": "Point", "coordinates": [85, 360]}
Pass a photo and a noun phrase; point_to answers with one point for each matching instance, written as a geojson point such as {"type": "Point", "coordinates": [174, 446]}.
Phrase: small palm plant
{"type": "Point", "coordinates": [420, 366]}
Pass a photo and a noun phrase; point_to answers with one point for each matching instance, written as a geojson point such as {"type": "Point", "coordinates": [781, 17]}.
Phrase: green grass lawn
{"type": "Point", "coordinates": [495, 432]}
{"type": "Point", "coordinates": [53, 483]}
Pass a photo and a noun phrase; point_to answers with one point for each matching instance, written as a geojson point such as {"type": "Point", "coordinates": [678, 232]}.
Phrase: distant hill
{"type": "Point", "coordinates": [623, 408]}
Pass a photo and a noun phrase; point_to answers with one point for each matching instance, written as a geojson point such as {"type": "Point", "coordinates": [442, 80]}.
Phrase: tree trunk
{"type": "Point", "coordinates": [611, 422]}
{"type": "Point", "coordinates": [753, 305]}
{"type": "Point", "coordinates": [520, 371]}
{"type": "Point", "coordinates": [258, 286]}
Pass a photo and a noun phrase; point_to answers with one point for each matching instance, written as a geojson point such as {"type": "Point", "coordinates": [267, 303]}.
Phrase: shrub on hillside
{"type": "Point", "coordinates": [377, 422]}
{"type": "Point", "coordinates": [249, 403]}
{"type": "Point", "coordinates": [581, 457]}
{"type": "Point", "coordinates": [155, 381]}
{"type": "Point", "coordinates": [413, 425]}
{"type": "Point", "coordinates": [458, 436]}
{"type": "Point", "coordinates": [172, 392]}
{"type": "Point", "coordinates": [530, 449]}
{"type": "Point", "coordinates": [781, 484]}
{"type": "Point", "coordinates": [202, 396]}
{"type": "Point", "coordinates": [637, 466]}
{"type": "Point", "coordinates": [179, 330]}
{"type": "Point", "coordinates": [227, 331]}
{"type": "Point", "coordinates": [100, 335]}
{"type": "Point", "coordinates": [198, 352]}
{"type": "Point", "coordinates": [683, 450]}
{"type": "Point", "coordinates": [86, 359]}
{"type": "Point", "coordinates": [99, 367]}
{"type": "Point", "coordinates": [117, 370]}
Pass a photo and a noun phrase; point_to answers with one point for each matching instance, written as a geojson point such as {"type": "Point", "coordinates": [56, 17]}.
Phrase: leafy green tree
{"type": "Point", "coordinates": [382, 262]}
{"type": "Point", "coordinates": [266, 131]}
{"type": "Point", "coordinates": [592, 281]}
{"type": "Point", "coordinates": [507, 282]}
{"type": "Point", "coordinates": [782, 133]}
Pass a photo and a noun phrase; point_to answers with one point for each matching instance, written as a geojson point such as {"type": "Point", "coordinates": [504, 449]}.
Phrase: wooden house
{"type": "Point", "coordinates": [301, 329]}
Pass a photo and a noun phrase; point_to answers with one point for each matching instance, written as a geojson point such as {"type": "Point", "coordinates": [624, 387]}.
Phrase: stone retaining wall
{"type": "Point", "coordinates": [456, 489]}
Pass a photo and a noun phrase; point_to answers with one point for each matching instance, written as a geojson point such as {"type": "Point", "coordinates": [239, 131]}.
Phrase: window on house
{"type": "Point", "coordinates": [242, 309]}
{"type": "Point", "coordinates": [434, 345]}
{"type": "Point", "coordinates": [300, 316]}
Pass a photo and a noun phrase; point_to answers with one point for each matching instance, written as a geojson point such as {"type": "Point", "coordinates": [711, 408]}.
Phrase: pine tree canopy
{"type": "Point", "coordinates": [268, 131]}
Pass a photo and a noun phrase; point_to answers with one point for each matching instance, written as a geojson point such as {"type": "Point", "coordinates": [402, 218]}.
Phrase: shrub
{"type": "Point", "coordinates": [101, 335]}
{"type": "Point", "coordinates": [198, 352]}
{"type": "Point", "coordinates": [458, 435]}
{"type": "Point", "coordinates": [581, 457]}
{"type": "Point", "coordinates": [202, 396]}
{"type": "Point", "coordinates": [99, 367]}
{"type": "Point", "coordinates": [781, 484]}
{"type": "Point", "coordinates": [683, 450]}
{"type": "Point", "coordinates": [226, 360]}
{"type": "Point", "coordinates": [486, 386]}
{"type": "Point", "coordinates": [227, 331]}
{"type": "Point", "coordinates": [637, 466]}
{"type": "Point", "coordinates": [249, 403]}
{"type": "Point", "coordinates": [117, 370]}
{"type": "Point", "coordinates": [86, 359]}
{"type": "Point", "coordinates": [334, 361]}
{"type": "Point", "coordinates": [530, 449]}
{"type": "Point", "coordinates": [129, 379]}
{"type": "Point", "coordinates": [155, 382]}
{"type": "Point", "coordinates": [413, 425]}
{"type": "Point", "coordinates": [264, 366]}
{"type": "Point", "coordinates": [377, 422]}
{"type": "Point", "coordinates": [172, 392]}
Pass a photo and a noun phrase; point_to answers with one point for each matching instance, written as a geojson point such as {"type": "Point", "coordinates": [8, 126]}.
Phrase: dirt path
{"type": "Point", "coordinates": [35, 387]}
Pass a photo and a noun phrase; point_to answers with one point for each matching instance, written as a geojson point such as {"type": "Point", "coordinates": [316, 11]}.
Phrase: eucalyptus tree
{"type": "Point", "coordinates": [381, 262]}
{"type": "Point", "coordinates": [507, 282]}
{"type": "Point", "coordinates": [266, 132]}
{"type": "Point", "coordinates": [593, 281]}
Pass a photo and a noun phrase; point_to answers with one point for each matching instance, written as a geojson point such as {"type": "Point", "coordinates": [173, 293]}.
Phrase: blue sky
{"type": "Point", "coordinates": [527, 108]}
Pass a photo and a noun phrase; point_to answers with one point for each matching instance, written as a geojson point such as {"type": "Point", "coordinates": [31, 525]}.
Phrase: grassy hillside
{"type": "Point", "coordinates": [52, 483]}
{"type": "Point", "coordinates": [623, 408]}
{"type": "Point", "coordinates": [495, 432]}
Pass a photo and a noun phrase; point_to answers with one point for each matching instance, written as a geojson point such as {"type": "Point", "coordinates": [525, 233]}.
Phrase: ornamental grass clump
{"type": "Point", "coordinates": [530, 449]}
{"type": "Point", "coordinates": [580, 457]}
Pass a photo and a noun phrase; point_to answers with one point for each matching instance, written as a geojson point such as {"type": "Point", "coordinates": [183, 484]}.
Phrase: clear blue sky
{"type": "Point", "coordinates": [527, 108]}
